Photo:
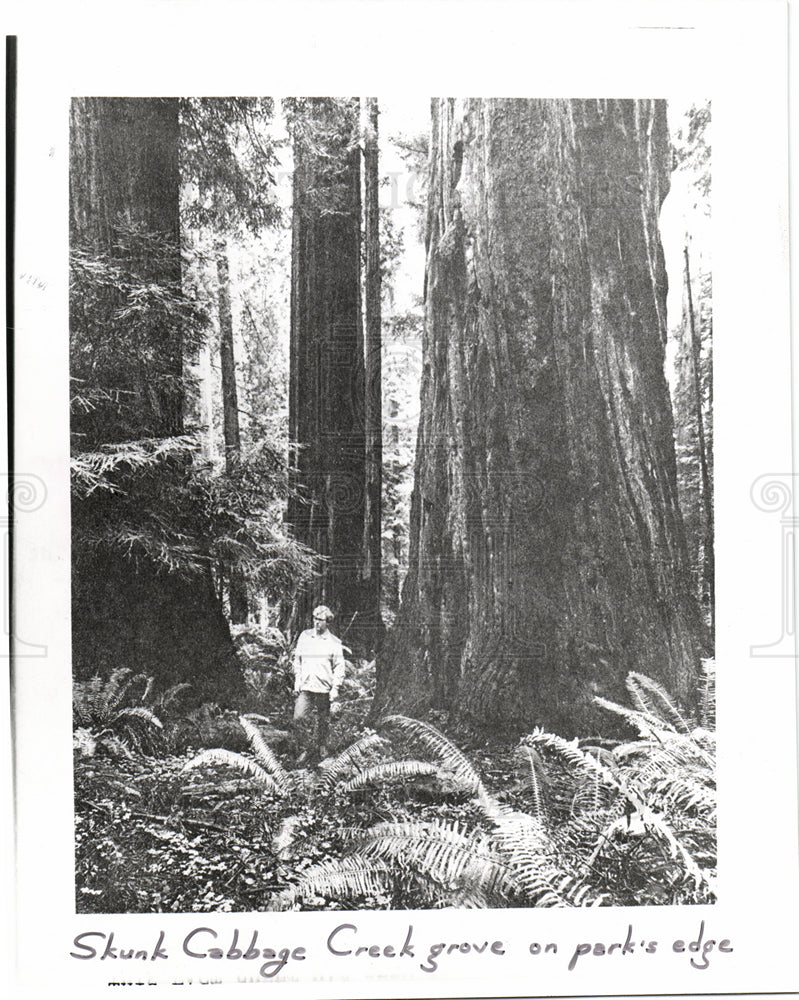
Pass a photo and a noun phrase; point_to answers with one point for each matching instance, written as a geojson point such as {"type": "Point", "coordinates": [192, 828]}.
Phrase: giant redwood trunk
{"type": "Point", "coordinates": [548, 556]}
{"type": "Point", "coordinates": [124, 191]}
{"type": "Point", "coordinates": [327, 377]}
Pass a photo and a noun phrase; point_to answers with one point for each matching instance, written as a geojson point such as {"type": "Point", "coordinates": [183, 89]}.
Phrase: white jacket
{"type": "Point", "coordinates": [318, 662]}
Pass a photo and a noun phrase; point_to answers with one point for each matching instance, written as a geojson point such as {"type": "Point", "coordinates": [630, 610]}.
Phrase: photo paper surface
{"type": "Point", "coordinates": [403, 566]}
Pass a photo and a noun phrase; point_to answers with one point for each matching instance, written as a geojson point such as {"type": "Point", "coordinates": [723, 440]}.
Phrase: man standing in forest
{"type": "Point", "coordinates": [318, 672]}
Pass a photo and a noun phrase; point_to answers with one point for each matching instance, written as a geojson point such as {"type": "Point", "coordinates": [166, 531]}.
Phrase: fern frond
{"type": "Point", "coordinates": [490, 806]}
{"type": "Point", "coordinates": [686, 793]}
{"type": "Point", "coordinates": [591, 797]}
{"type": "Point", "coordinates": [705, 738]}
{"type": "Point", "coordinates": [84, 742]}
{"type": "Point", "coordinates": [594, 793]}
{"type": "Point", "coordinates": [520, 830]}
{"type": "Point", "coordinates": [529, 852]}
{"type": "Point", "coordinates": [148, 690]}
{"type": "Point", "coordinates": [81, 713]}
{"type": "Point", "coordinates": [654, 822]}
{"type": "Point", "coordinates": [105, 696]}
{"type": "Point", "coordinates": [534, 779]}
{"type": "Point", "coordinates": [574, 892]}
{"type": "Point", "coordinates": [283, 840]}
{"type": "Point", "coordinates": [171, 693]}
{"type": "Point", "coordinates": [672, 750]}
{"type": "Point", "coordinates": [658, 825]}
{"type": "Point", "coordinates": [655, 700]}
{"type": "Point", "coordinates": [392, 770]}
{"type": "Point", "coordinates": [265, 754]}
{"type": "Point", "coordinates": [533, 874]}
{"type": "Point", "coordinates": [582, 760]}
{"type": "Point", "coordinates": [113, 745]}
{"type": "Point", "coordinates": [339, 878]}
{"type": "Point", "coordinates": [140, 712]}
{"type": "Point", "coordinates": [657, 752]}
{"type": "Point", "coordinates": [355, 755]}
{"type": "Point", "coordinates": [116, 693]}
{"type": "Point", "coordinates": [437, 743]}
{"type": "Point", "coordinates": [230, 759]}
{"type": "Point", "coordinates": [648, 725]}
{"type": "Point", "coordinates": [444, 853]}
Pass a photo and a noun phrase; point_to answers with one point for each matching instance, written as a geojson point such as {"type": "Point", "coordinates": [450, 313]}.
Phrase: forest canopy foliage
{"type": "Point", "coordinates": [154, 498]}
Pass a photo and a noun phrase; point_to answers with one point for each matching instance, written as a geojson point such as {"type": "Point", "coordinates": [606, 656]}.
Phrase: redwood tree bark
{"type": "Point", "coordinates": [124, 176]}
{"type": "Point", "coordinates": [372, 544]}
{"type": "Point", "coordinates": [237, 589]}
{"type": "Point", "coordinates": [125, 612]}
{"type": "Point", "coordinates": [694, 446]}
{"type": "Point", "coordinates": [547, 549]}
{"type": "Point", "coordinates": [327, 384]}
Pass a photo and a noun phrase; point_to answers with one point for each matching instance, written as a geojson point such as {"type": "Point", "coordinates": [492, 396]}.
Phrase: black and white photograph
{"type": "Point", "coordinates": [407, 471]}
{"type": "Point", "coordinates": [392, 503]}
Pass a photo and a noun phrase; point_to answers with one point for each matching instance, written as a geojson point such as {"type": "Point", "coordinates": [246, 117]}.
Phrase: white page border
{"type": "Point", "coordinates": [735, 54]}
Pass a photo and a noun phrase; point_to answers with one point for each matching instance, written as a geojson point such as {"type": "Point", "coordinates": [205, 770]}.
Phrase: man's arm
{"type": "Point", "coordinates": [339, 668]}
{"type": "Point", "coordinates": [295, 663]}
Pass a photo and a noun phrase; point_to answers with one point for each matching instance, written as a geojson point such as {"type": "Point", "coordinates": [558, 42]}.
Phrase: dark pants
{"type": "Point", "coordinates": [309, 708]}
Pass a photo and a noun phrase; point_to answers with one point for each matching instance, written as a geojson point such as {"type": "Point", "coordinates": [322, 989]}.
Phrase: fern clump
{"type": "Point", "coordinates": [337, 878]}
{"type": "Point", "coordinates": [263, 766]}
{"type": "Point", "coordinates": [611, 824]}
{"type": "Point", "coordinates": [109, 715]}
{"type": "Point", "coordinates": [449, 757]}
{"type": "Point", "coordinates": [641, 813]}
{"type": "Point", "coordinates": [401, 818]}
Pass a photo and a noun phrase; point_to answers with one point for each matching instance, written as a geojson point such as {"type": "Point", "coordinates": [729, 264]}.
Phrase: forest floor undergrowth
{"type": "Point", "coordinates": [150, 838]}
{"type": "Point", "coordinates": [208, 810]}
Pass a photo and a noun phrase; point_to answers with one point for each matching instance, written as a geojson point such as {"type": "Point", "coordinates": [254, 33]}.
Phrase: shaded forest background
{"type": "Point", "coordinates": [436, 371]}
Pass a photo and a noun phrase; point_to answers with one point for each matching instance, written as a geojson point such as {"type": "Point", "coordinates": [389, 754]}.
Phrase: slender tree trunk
{"type": "Point", "coordinates": [327, 386]}
{"type": "Point", "coordinates": [206, 404]}
{"type": "Point", "coordinates": [706, 545]}
{"type": "Point", "coordinates": [237, 589]}
{"type": "Point", "coordinates": [547, 550]}
{"type": "Point", "coordinates": [127, 613]}
{"type": "Point", "coordinates": [693, 438]}
{"type": "Point", "coordinates": [227, 362]}
{"type": "Point", "coordinates": [372, 544]}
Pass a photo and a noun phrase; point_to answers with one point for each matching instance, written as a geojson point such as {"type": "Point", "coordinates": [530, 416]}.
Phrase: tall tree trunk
{"type": "Point", "coordinates": [693, 433]}
{"type": "Point", "coordinates": [327, 385]}
{"type": "Point", "coordinates": [705, 547]}
{"type": "Point", "coordinates": [124, 176]}
{"type": "Point", "coordinates": [237, 589]}
{"type": "Point", "coordinates": [372, 544]}
{"type": "Point", "coordinates": [547, 550]}
{"type": "Point", "coordinates": [125, 612]}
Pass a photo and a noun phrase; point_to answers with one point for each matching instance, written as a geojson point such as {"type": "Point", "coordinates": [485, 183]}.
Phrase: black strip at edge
{"type": "Point", "coordinates": [11, 169]}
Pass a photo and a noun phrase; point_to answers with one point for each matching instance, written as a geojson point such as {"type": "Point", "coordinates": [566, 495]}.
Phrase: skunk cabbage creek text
{"type": "Point", "coordinates": [259, 955]}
